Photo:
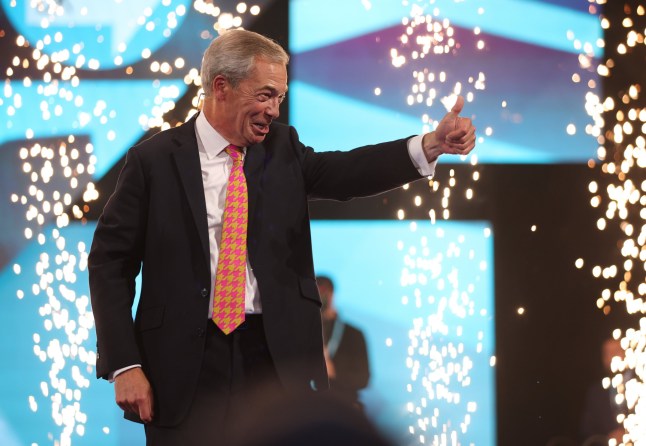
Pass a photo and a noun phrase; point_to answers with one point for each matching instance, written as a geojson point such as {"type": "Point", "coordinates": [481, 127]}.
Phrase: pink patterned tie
{"type": "Point", "coordinates": [230, 276]}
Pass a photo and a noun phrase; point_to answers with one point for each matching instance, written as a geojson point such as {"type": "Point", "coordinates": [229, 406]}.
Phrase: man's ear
{"type": "Point", "coordinates": [220, 86]}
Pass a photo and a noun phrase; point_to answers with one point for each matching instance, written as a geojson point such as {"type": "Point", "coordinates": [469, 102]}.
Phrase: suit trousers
{"type": "Point", "coordinates": [237, 370]}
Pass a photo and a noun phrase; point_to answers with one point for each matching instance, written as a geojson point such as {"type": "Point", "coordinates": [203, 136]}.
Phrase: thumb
{"type": "Point", "coordinates": [457, 108]}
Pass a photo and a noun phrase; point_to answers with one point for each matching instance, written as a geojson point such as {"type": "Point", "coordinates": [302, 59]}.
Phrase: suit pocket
{"type": "Point", "coordinates": [309, 289]}
{"type": "Point", "coordinates": [151, 318]}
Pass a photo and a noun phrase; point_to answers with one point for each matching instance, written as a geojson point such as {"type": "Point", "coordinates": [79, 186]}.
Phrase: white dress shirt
{"type": "Point", "coordinates": [216, 165]}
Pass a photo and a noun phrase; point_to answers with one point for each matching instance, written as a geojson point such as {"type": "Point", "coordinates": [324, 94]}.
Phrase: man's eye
{"type": "Point", "coordinates": [262, 97]}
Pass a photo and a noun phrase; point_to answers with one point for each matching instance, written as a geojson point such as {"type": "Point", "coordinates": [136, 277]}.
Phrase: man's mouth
{"type": "Point", "coordinates": [261, 127]}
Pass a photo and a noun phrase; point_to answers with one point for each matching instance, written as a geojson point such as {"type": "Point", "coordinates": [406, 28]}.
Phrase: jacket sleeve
{"type": "Point", "coordinates": [114, 263]}
{"type": "Point", "coordinates": [361, 172]}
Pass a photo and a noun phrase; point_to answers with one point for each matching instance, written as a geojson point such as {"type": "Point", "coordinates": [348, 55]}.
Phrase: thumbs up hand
{"type": "Point", "coordinates": [454, 135]}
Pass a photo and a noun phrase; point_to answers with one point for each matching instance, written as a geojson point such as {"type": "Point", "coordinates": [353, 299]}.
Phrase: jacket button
{"type": "Point", "coordinates": [205, 292]}
{"type": "Point", "coordinates": [200, 332]}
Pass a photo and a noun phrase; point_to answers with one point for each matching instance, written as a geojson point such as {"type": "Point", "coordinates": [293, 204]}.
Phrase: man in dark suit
{"type": "Point", "coordinates": [173, 368]}
{"type": "Point", "coordinates": [346, 354]}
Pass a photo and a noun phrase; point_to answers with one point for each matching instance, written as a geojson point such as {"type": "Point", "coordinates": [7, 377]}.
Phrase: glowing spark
{"type": "Point", "coordinates": [440, 363]}
{"type": "Point", "coordinates": [425, 33]}
{"type": "Point", "coordinates": [623, 198]}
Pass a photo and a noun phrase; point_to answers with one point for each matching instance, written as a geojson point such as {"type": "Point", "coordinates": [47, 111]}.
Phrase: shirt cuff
{"type": "Point", "coordinates": [116, 373]}
{"type": "Point", "coordinates": [417, 156]}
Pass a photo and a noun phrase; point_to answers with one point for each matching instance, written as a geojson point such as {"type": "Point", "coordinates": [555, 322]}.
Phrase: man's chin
{"type": "Point", "coordinates": [257, 139]}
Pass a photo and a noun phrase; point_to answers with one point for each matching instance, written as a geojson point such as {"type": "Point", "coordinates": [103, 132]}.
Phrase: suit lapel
{"type": "Point", "coordinates": [187, 159]}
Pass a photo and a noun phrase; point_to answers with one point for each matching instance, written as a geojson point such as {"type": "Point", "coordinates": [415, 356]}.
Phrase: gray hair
{"type": "Point", "coordinates": [233, 54]}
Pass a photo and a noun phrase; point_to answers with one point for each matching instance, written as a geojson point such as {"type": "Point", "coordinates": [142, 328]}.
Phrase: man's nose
{"type": "Point", "coordinates": [273, 107]}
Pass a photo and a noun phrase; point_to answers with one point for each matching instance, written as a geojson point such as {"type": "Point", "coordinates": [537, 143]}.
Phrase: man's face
{"type": "Point", "coordinates": [254, 103]}
{"type": "Point", "coordinates": [325, 292]}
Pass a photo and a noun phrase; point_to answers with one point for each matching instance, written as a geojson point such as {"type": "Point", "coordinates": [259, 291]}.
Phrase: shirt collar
{"type": "Point", "coordinates": [212, 143]}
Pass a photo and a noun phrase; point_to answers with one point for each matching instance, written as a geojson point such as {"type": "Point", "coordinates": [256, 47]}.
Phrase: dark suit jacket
{"type": "Point", "coordinates": [349, 354]}
{"type": "Point", "coordinates": [157, 218]}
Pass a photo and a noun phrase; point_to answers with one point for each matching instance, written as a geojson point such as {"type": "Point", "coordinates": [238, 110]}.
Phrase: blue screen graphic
{"type": "Point", "coordinates": [518, 62]}
{"type": "Point", "coordinates": [60, 134]}
{"type": "Point", "coordinates": [423, 296]}
{"type": "Point", "coordinates": [421, 293]}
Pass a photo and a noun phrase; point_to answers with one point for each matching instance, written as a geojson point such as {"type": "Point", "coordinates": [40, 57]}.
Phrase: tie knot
{"type": "Point", "coordinates": [234, 152]}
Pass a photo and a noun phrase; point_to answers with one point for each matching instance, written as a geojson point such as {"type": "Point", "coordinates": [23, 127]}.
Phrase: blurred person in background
{"type": "Point", "coordinates": [346, 353]}
{"type": "Point", "coordinates": [599, 420]}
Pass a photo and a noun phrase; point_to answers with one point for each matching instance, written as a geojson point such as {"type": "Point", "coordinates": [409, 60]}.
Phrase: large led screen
{"type": "Point", "coordinates": [421, 293]}
{"type": "Point", "coordinates": [365, 71]}
{"type": "Point", "coordinates": [423, 296]}
{"type": "Point", "coordinates": [82, 82]}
